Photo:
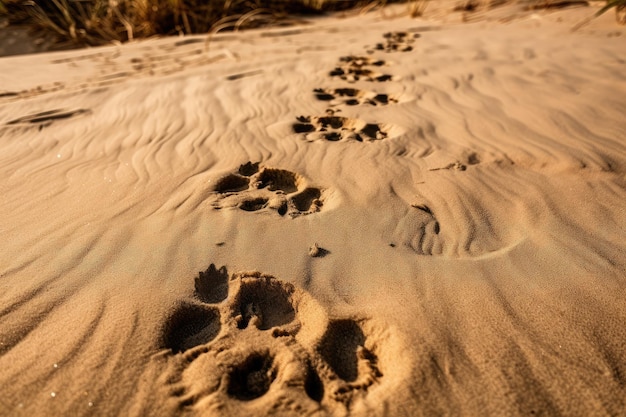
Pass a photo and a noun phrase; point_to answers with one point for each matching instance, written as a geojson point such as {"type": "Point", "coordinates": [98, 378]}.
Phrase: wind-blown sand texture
{"type": "Point", "coordinates": [392, 217]}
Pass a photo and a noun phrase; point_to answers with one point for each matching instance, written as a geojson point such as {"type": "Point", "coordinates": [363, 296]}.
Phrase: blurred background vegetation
{"type": "Point", "coordinates": [95, 22]}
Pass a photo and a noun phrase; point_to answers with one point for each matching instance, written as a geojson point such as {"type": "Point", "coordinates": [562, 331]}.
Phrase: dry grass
{"type": "Point", "coordinates": [417, 8]}
{"type": "Point", "coordinates": [620, 13]}
{"type": "Point", "coordinates": [94, 22]}
{"type": "Point", "coordinates": [620, 10]}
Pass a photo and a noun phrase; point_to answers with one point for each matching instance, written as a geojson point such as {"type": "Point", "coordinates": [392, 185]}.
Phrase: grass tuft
{"type": "Point", "coordinates": [417, 7]}
{"type": "Point", "coordinates": [620, 10]}
{"type": "Point", "coordinates": [620, 13]}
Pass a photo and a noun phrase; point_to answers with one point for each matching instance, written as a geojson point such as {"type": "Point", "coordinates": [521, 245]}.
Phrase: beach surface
{"type": "Point", "coordinates": [365, 215]}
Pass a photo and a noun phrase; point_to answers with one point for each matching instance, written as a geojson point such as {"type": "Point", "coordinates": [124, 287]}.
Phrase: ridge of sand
{"type": "Point", "coordinates": [393, 217]}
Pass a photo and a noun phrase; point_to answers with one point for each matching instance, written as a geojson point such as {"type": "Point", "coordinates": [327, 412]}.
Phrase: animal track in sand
{"type": "Point", "coordinates": [9, 94]}
{"type": "Point", "coordinates": [419, 229]}
{"type": "Point", "coordinates": [252, 188]}
{"type": "Point", "coordinates": [191, 325]}
{"type": "Point", "coordinates": [212, 285]}
{"type": "Point", "coordinates": [456, 228]}
{"type": "Point", "coordinates": [34, 91]}
{"type": "Point", "coordinates": [336, 128]}
{"type": "Point", "coordinates": [353, 68]}
{"type": "Point", "coordinates": [470, 159]}
{"type": "Point", "coordinates": [267, 342]}
{"type": "Point", "coordinates": [395, 42]}
{"type": "Point", "coordinates": [264, 304]}
{"type": "Point", "coordinates": [44, 119]}
{"type": "Point", "coordinates": [252, 378]}
{"type": "Point", "coordinates": [353, 97]}
{"type": "Point", "coordinates": [232, 184]}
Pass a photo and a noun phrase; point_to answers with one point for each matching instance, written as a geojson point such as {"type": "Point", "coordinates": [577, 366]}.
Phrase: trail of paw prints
{"type": "Point", "coordinates": [336, 128]}
{"type": "Point", "coordinates": [253, 341]}
{"type": "Point", "coordinates": [114, 67]}
{"type": "Point", "coordinates": [254, 188]}
{"type": "Point", "coordinates": [353, 68]}
{"type": "Point", "coordinates": [7, 95]}
{"type": "Point", "coordinates": [395, 42]}
{"type": "Point", "coordinates": [353, 97]}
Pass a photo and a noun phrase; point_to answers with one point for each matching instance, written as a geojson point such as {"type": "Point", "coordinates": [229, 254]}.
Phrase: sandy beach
{"type": "Point", "coordinates": [365, 215]}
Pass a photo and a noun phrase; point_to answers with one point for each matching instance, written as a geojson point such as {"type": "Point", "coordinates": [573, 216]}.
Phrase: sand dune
{"type": "Point", "coordinates": [392, 217]}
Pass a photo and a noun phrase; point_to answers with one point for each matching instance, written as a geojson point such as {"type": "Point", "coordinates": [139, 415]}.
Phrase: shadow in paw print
{"type": "Point", "coordinates": [382, 99]}
{"type": "Point", "coordinates": [339, 348]}
{"type": "Point", "coordinates": [373, 131]}
{"type": "Point", "coordinates": [332, 136]}
{"type": "Point", "coordinates": [264, 304]}
{"type": "Point", "coordinates": [252, 378]}
{"type": "Point", "coordinates": [347, 92]}
{"type": "Point", "coordinates": [231, 183]}
{"type": "Point", "coordinates": [212, 285]}
{"type": "Point", "coordinates": [304, 200]}
{"type": "Point", "coordinates": [191, 325]}
{"type": "Point", "coordinates": [303, 127]}
{"type": "Point", "coordinates": [278, 179]}
{"type": "Point", "coordinates": [473, 159]}
{"type": "Point", "coordinates": [254, 205]}
{"type": "Point", "coordinates": [249, 169]}
{"type": "Point", "coordinates": [283, 208]}
{"type": "Point", "coordinates": [313, 385]}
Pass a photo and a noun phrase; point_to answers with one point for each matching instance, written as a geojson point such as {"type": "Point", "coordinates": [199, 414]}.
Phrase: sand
{"type": "Point", "coordinates": [319, 220]}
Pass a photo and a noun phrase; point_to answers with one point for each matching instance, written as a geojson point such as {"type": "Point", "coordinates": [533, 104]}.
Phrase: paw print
{"type": "Point", "coordinates": [252, 188]}
{"type": "Point", "coordinates": [396, 42]}
{"type": "Point", "coordinates": [353, 97]}
{"type": "Point", "coordinates": [252, 340]}
{"type": "Point", "coordinates": [336, 128]}
{"type": "Point", "coordinates": [353, 68]}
